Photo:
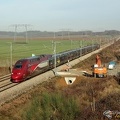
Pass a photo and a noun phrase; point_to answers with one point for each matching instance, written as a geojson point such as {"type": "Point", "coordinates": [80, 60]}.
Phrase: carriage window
{"type": "Point", "coordinates": [18, 66]}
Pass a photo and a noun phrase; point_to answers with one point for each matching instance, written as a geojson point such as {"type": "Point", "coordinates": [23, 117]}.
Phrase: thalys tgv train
{"type": "Point", "coordinates": [28, 67]}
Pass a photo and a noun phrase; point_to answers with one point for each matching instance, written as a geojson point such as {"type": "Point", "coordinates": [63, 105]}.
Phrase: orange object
{"type": "Point", "coordinates": [99, 71]}
{"type": "Point", "coordinates": [98, 61]}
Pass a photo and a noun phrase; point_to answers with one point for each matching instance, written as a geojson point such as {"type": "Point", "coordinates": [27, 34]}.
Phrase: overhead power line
{"type": "Point", "coordinates": [16, 28]}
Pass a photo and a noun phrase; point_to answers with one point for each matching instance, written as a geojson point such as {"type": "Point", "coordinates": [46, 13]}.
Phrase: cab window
{"type": "Point", "coordinates": [18, 66]}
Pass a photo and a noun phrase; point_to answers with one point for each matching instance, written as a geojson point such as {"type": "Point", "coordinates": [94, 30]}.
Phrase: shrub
{"type": "Point", "coordinates": [54, 106]}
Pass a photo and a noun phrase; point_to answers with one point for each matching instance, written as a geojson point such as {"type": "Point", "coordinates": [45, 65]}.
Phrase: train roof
{"type": "Point", "coordinates": [68, 51]}
{"type": "Point", "coordinates": [35, 57]}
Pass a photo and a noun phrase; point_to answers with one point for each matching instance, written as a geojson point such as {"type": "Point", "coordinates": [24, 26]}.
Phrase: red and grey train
{"type": "Point", "coordinates": [28, 67]}
{"type": "Point", "coordinates": [25, 68]}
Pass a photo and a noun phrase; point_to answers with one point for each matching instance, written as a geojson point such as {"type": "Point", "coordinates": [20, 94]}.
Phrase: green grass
{"type": "Point", "coordinates": [21, 50]}
{"type": "Point", "coordinates": [36, 47]}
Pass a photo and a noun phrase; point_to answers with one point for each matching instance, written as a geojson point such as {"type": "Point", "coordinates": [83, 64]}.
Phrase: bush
{"type": "Point", "coordinates": [54, 106]}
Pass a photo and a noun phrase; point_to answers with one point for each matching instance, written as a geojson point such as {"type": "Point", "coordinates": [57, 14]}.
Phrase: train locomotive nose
{"type": "Point", "coordinates": [16, 77]}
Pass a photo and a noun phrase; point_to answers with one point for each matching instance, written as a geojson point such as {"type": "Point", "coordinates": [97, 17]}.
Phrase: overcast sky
{"type": "Point", "coordinates": [55, 15]}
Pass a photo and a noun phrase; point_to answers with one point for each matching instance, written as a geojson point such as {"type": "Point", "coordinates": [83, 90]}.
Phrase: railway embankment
{"type": "Point", "coordinates": [33, 82]}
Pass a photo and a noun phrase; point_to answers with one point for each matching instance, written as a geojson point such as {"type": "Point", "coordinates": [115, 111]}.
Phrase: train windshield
{"type": "Point", "coordinates": [18, 66]}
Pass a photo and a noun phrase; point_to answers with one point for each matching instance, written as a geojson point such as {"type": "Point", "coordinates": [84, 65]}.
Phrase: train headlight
{"type": "Point", "coordinates": [18, 73]}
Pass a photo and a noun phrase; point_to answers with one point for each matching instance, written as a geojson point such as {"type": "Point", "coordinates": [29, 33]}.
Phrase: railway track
{"type": "Point", "coordinates": [6, 77]}
{"type": "Point", "coordinates": [9, 90]}
{"type": "Point", "coordinates": [5, 83]}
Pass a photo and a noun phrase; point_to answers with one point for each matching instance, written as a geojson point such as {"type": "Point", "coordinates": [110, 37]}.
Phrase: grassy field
{"type": "Point", "coordinates": [12, 51]}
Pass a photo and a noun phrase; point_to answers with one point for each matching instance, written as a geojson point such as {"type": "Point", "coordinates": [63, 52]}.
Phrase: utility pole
{"type": "Point", "coordinates": [62, 34]}
{"type": "Point", "coordinates": [11, 54]}
{"type": "Point", "coordinates": [92, 44]}
{"type": "Point", "coordinates": [26, 33]}
{"type": "Point", "coordinates": [81, 48]}
{"type": "Point", "coordinates": [21, 25]}
{"type": "Point", "coordinates": [62, 30]}
{"type": "Point", "coordinates": [55, 59]}
{"type": "Point", "coordinates": [55, 56]}
{"type": "Point", "coordinates": [69, 38]}
{"type": "Point", "coordinates": [100, 42]}
{"type": "Point", "coordinates": [15, 33]}
{"type": "Point", "coordinates": [11, 48]}
{"type": "Point", "coordinates": [54, 35]}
